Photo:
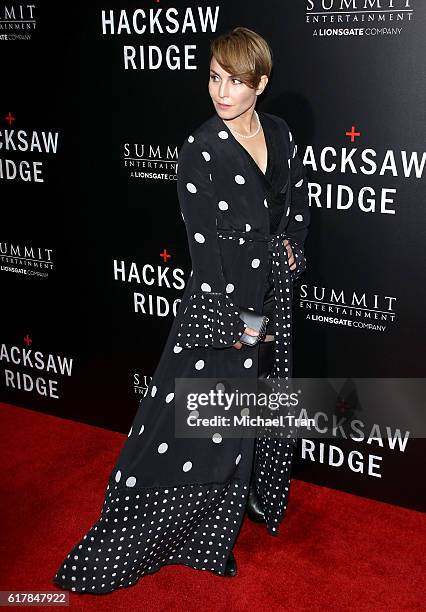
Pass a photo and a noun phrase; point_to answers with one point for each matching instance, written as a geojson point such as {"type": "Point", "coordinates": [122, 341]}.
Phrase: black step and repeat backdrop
{"type": "Point", "coordinates": [96, 100]}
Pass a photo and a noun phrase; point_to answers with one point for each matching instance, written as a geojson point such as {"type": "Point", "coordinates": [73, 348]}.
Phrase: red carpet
{"type": "Point", "coordinates": [335, 551]}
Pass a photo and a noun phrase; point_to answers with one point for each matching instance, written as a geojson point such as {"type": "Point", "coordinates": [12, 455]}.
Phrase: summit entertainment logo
{"type": "Point", "coordinates": [358, 17]}
{"type": "Point", "coordinates": [348, 308]}
{"type": "Point", "coordinates": [17, 21]}
{"type": "Point", "coordinates": [148, 161]}
{"type": "Point", "coordinates": [26, 259]}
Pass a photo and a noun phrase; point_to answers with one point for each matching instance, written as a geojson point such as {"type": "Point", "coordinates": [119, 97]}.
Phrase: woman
{"type": "Point", "coordinates": [243, 197]}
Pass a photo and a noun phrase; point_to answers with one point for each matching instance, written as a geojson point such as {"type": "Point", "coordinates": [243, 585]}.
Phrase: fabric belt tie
{"type": "Point", "coordinates": [283, 289]}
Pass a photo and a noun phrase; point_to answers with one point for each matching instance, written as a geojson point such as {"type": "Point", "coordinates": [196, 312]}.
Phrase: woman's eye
{"type": "Point", "coordinates": [236, 81]}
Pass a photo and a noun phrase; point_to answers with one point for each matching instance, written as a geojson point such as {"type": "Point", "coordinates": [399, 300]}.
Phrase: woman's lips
{"type": "Point", "coordinates": [224, 105]}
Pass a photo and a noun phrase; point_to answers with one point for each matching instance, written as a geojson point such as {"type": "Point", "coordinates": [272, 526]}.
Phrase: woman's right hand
{"type": "Point", "coordinates": [250, 332]}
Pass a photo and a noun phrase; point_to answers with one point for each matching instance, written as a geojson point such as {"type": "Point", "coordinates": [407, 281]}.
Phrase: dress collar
{"type": "Point", "coordinates": [275, 178]}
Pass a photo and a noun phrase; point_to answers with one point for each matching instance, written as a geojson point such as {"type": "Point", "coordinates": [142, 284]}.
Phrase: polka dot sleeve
{"type": "Point", "coordinates": [300, 214]}
{"type": "Point", "coordinates": [210, 318]}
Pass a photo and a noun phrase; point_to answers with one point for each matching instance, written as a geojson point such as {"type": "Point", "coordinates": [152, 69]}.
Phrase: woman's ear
{"type": "Point", "coordinates": [262, 84]}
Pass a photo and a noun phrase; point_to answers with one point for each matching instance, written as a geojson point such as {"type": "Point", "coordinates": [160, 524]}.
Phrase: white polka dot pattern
{"type": "Point", "coordinates": [272, 476]}
{"type": "Point", "coordinates": [211, 319]}
{"type": "Point", "coordinates": [141, 530]}
{"type": "Point", "coordinates": [191, 187]}
{"type": "Point", "coordinates": [299, 212]}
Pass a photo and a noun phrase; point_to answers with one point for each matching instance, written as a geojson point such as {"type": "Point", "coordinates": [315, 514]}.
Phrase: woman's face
{"type": "Point", "coordinates": [230, 96]}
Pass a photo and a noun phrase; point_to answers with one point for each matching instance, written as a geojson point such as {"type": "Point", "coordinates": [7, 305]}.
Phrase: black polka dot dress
{"type": "Point", "coordinates": [178, 500]}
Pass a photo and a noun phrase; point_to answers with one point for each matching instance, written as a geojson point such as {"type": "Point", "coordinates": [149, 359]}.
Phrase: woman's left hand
{"type": "Point", "coordinates": [291, 259]}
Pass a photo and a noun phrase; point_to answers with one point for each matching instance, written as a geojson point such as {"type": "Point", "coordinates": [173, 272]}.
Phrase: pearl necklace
{"type": "Point", "coordinates": [251, 135]}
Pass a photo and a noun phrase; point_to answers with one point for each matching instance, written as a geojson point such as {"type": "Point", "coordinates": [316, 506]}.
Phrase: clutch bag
{"type": "Point", "coordinates": [256, 321]}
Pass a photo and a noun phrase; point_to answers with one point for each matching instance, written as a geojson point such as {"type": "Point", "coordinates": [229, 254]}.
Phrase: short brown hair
{"type": "Point", "coordinates": [244, 54]}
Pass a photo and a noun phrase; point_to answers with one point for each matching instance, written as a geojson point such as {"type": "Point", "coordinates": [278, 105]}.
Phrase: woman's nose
{"type": "Point", "coordinates": [223, 89]}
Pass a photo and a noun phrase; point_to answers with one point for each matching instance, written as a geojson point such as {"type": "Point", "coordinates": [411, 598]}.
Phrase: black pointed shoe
{"type": "Point", "coordinates": [254, 506]}
{"type": "Point", "coordinates": [231, 565]}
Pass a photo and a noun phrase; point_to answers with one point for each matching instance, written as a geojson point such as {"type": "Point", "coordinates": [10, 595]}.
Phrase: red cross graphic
{"type": "Point", "coordinates": [164, 255]}
{"type": "Point", "coordinates": [352, 133]}
{"type": "Point", "coordinates": [10, 118]}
